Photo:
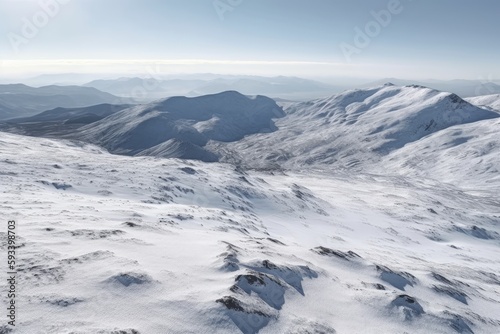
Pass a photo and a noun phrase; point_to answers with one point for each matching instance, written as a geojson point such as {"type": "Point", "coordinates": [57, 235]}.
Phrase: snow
{"type": "Point", "coordinates": [118, 244]}
{"type": "Point", "coordinates": [465, 155]}
{"type": "Point", "coordinates": [488, 101]}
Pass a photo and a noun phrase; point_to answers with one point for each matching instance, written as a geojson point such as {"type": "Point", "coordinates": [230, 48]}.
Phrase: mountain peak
{"type": "Point", "coordinates": [226, 116]}
{"type": "Point", "coordinates": [358, 126]}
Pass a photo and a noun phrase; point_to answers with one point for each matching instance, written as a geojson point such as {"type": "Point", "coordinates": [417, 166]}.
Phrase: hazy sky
{"type": "Point", "coordinates": [419, 39]}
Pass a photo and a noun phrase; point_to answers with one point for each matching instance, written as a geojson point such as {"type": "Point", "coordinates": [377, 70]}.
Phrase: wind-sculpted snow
{"type": "Point", "coordinates": [150, 245]}
{"type": "Point", "coordinates": [409, 306]}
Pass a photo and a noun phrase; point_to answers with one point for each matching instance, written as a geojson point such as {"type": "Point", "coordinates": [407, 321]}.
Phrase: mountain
{"type": "Point", "coordinates": [488, 101]}
{"type": "Point", "coordinates": [117, 244]}
{"type": "Point", "coordinates": [463, 88]}
{"type": "Point", "coordinates": [190, 122]}
{"type": "Point", "coordinates": [353, 129]}
{"type": "Point", "coordinates": [279, 87]}
{"type": "Point", "coordinates": [378, 204]}
{"type": "Point", "coordinates": [18, 100]}
{"type": "Point", "coordinates": [359, 129]}
{"type": "Point", "coordinates": [59, 121]}
{"type": "Point", "coordinates": [99, 112]}
{"type": "Point", "coordinates": [145, 89]}
{"type": "Point", "coordinates": [467, 155]}
{"type": "Point", "coordinates": [60, 79]}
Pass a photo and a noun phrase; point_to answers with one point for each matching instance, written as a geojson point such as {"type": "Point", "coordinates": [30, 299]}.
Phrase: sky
{"type": "Point", "coordinates": [411, 39]}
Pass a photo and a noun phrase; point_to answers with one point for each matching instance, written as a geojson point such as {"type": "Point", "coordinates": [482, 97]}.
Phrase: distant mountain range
{"type": "Point", "coordinates": [288, 88]}
{"type": "Point", "coordinates": [59, 121]}
{"type": "Point", "coordinates": [361, 129]}
{"type": "Point", "coordinates": [18, 100]}
{"type": "Point", "coordinates": [144, 89]}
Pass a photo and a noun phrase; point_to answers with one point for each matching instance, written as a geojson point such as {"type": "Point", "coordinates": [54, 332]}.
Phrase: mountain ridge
{"type": "Point", "coordinates": [227, 116]}
{"type": "Point", "coordinates": [353, 128]}
{"type": "Point", "coordinates": [19, 100]}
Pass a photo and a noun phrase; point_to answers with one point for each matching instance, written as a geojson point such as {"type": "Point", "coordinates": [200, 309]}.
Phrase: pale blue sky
{"type": "Point", "coordinates": [439, 39]}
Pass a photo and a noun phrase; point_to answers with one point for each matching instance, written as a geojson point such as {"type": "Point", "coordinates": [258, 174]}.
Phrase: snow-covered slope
{"type": "Point", "coordinates": [463, 88]}
{"type": "Point", "coordinates": [174, 148]}
{"type": "Point", "coordinates": [466, 155]}
{"type": "Point", "coordinates": [226, 117]}
{"type": "Point", "coordinates": [353, 129]}
{"type": "Point", "coordinates": [489, 101]}
{"type": "Point", "coordinates": [117, 244]}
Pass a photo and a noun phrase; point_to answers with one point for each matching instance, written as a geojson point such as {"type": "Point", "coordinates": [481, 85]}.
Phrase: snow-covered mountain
{"type": "Point", "coordinates": [175, 126]}
{"type": "Point", "coordinates": [116, 244]}
{"type": "Point", "coordinates": [354, 129]}
{"type": "Point", "coordinates": [466, 155]}
{"type": "Point", "coordinates": [488, 101]}
{"type": "Point", "coordinates": [463, 88]}
{"type": "Point", "coordinates": [362, 129]}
